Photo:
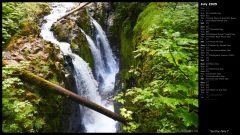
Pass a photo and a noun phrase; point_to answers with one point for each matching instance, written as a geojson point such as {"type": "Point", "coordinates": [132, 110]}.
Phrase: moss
{"type": "Point", "coordinates": [54, 79]}
{"type": "Point", "coordinates": [126, 51]}
{"type": "Point", "coordinates": [100, 14]}
{"type": "Point", "coordinates": [62, 30]}
{"type": "Point", "coordinates": [83, 21]}
{"type": "Point", "coordinates": [22, 22]}
{"type": "Point", "coordinates": [30, 28]}
{"type": "Point", "coordinates": [11, 43]}
{"type": "Point", "coordinates": [165, 15]}
{"type": "Point", "coordinates": [126, 15]}
{"type": "Point", "coordinates": [46, 9]}
{"type": "Point", "coordinates": [142, 29]}
{"type": "Point", "coordinates": [80, 46]}
{"type": "Point", "coordinates": [45, 69]}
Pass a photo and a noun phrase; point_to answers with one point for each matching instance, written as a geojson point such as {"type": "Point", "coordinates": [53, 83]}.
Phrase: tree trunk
{"type": "Point", "coordinates": [28, 76]}
{"type": "Point", "coordinates": [74, 10]}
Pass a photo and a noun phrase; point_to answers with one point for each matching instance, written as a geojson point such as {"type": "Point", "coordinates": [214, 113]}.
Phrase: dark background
{"type": "Point", "coordinates": [220, 115]}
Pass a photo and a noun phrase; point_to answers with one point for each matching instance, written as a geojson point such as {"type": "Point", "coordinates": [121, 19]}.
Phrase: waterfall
{"type": "Point", "coordinates": [98, 60]}
{"type": "Point", "coordinates": [101, 39]}
{"type": "Point", "coordinates": [59, 9]}
{"type": "Point", "coordinates": [86, 85]}
{"type": "Point", "coordinates": [106, 66]}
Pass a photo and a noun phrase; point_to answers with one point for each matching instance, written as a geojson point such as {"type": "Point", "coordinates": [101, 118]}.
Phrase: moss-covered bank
{"type": "Point", "coordinates": [121, 34]}
{"type": "Point", "coordinates": [18, 17]}
{"type": "Point", "coordinates": [162, 93]}
{"type": "Point", "coordinates": [27, 107]}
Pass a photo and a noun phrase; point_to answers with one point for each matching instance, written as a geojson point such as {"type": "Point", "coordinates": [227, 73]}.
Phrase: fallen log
{"type": "Point", "coordinates": [74, 10]}
{"type": "Point", "coordinates": [79, 99]}
{"type": "Point", "coordinates": [32, 78]}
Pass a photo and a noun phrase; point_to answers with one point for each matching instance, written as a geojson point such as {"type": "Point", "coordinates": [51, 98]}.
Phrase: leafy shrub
{"type": "Point", "coordinates": [19, 113]}
{"type": "Point", "coordinates": [16, 15]}
{"type": "Point", "coordinates": [27, 107]}
{"type": "Point", "coordinates": [165, 96]}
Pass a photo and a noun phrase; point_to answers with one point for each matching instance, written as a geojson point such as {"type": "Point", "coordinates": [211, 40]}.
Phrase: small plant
{"type": "Point", "coordinates": [19, 114]}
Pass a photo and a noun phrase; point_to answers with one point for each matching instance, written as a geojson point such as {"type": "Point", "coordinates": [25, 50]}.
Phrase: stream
{"type": "Point", "coordinates": [96, 88]}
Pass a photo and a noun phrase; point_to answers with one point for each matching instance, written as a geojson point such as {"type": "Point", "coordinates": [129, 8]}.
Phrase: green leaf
{"type": "Point", "coordinates": [172, 102]}
{"type": "Point", "coordinates": [192, 101]}
{"type": "Point", "coordinates": [189, 118]}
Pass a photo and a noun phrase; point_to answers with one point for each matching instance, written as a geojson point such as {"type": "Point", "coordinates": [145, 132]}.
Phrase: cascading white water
{"type": "Point", "coordinates": [86, 84]}
{"type": "Point", "coordinates": [106, 66]}
{"type": "Point", "coordinates": [107, 72]}
{"type": "Point", "coordinates": [59, 9]}
{"type": "Point", "coordinates": [101, 38]}
{"type": "Point", "coordinates": [98, 60]}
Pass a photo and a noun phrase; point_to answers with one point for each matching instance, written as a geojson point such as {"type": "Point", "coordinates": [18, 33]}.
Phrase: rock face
{"type": "Point", "coordinates": [63, 30]}
{"type": "Point", "coordinates": [41, 54]}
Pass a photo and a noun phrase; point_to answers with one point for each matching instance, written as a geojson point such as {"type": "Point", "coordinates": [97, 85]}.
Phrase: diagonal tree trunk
{"type": "Point", "coordinates": [74, 10]}
{"type": "Point", "coordinates": [32, 78]}
{"type": "Point", "coordinates": [28, 76]}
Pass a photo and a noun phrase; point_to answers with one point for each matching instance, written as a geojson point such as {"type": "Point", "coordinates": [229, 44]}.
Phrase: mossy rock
{"type": "Point", "coordinates": [162, 17]}
{"type": "Point", "coordinates": [67, 30]}
{"type": "Point", "coordinates": [46, 9]}
{"type": "Point", "coordinates": [80, 46]}
{"type": "Point", "coordinates": [83, 21]}
{"type": "Point", "coordinates": [63, 30]}
{"type": "Point", "coordinates": [30, 28]}
{"type": "Point", "coordinates": [100, 14]}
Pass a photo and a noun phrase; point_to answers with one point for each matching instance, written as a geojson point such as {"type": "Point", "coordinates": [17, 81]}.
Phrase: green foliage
{"type": "Point", "coordinates": [45, 69]}
{"type": "Point", "coordinates": [165, 15]}
{"type": "Point", "coordinates": [16, 15]}
{"type": "Point", "coordinates": [26, 107]}
{"type": "Point", "coordinates": [132, 126]}
{"type": "Point", "coordinates": [165, 96]}
{"type": "Point", "coordinates": [19, 113]}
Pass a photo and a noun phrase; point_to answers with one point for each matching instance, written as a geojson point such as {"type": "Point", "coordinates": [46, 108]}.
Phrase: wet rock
{"type": "Point", "coordinates": [57, 65]}
{"type": "Point", "coordinates": [63, 30]}
{"type": "Point", "coordinates": [31, 57]}
{"type": "Point", "coordinates": [68, 61]}
{"type": "Point", "coordinates": [7, 55]}
{"type": "Point", "coordinates": [45, 56]}
{"type": "Point", "coordinates": [44, 21]}
{"type": "Point", "coordinates": [14, 54]}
